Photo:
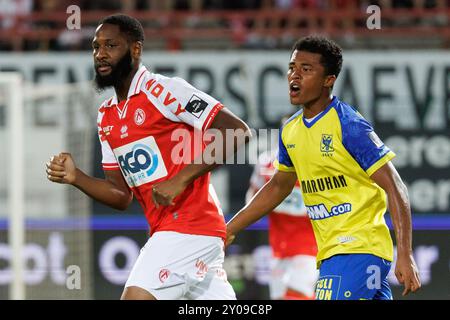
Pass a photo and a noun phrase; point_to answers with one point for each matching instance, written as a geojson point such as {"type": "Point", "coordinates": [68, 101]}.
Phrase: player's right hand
{"type": "Point", "coordinates": [61, 169]}
{"type": "Point", "coordinates": [407, 273]}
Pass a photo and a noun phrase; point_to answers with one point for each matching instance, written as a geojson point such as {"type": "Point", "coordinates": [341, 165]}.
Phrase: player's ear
{"type": "Point", "coordinates": [329, 81]}
{"type": "Point", "coordinates": [136, 49]}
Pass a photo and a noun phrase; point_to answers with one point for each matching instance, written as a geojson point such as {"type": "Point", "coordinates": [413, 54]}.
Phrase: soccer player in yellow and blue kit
{"type": "Point", "coordinates": [345, 172]}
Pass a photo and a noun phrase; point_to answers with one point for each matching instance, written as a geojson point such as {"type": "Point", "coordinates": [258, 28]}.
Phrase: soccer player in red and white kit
{"type": "Point", "coordinates": [184, 255]}
{"type": "Point", "coordinates": [291, 237]}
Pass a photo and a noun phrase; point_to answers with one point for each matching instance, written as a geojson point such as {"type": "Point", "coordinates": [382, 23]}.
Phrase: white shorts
{"type": "Point", "coordinates": [174, 266]}
{"type": "Point", "coordinates": [298, 273]}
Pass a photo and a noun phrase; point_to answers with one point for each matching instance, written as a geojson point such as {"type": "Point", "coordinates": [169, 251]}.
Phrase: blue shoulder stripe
{"type": "Point", "coordinates": [295, 115]}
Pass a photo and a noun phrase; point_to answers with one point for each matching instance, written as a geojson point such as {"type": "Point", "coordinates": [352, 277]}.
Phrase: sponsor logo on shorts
{"type": "Point", "coordinates": [202, 268]}
{"type": "Point", "coordinates": [164, 274]}
{"type": "Point", "coordinates": [327, 287]}
{"type": "Point", "coordinates": [221, 274]}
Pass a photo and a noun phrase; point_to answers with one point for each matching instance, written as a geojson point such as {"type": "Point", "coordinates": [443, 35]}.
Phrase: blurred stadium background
{"type": "Point", "coordinates": [398, 76]}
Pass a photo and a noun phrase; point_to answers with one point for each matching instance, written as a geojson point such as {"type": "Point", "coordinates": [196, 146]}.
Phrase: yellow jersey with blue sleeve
{"type": "Point", "coordinates": [334, 156]}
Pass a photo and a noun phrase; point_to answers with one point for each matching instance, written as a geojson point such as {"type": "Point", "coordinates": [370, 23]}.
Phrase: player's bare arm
{"type": "Point", "coordinates": [166, 191]}
{"type": "Point", "coordinates": [406, 270]}
{"type": "Point", "coordinates": [111, 191]}
{"type": "Point", "coordinates": [265, 200]}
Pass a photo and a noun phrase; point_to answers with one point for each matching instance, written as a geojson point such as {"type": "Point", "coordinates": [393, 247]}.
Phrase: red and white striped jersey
{"type": "Point", "coordinates": [290, 231]}
{"type": "Point", "coordinates": [147, 137]}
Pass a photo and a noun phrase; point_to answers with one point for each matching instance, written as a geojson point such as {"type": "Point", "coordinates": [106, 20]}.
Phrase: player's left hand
{"type": "Point", "coordinates": [164, 192]}
{"type": "Point", "coordinates": [230, 238]}
{"type": "Point", "coordinates": [407, 273]}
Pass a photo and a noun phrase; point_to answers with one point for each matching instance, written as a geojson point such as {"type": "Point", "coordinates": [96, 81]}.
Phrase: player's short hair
{"type": "Point", "coordinates": [330, 51]}
{"type": "Point", "coordinates": [128, 25]}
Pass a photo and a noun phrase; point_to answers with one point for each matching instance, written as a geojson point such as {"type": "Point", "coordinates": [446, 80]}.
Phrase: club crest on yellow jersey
{"type": "Point", "coordinates": [326, 145]}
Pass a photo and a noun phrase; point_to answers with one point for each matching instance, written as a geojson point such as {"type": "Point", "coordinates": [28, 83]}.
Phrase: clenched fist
{"type": "Point", "coordinates": [61, 169]}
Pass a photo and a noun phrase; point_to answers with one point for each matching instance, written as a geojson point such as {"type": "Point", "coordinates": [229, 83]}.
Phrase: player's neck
{"type": "Point", "coordinates": [124, 86]}
{"type": "Point", "coordinates": [315, 107]}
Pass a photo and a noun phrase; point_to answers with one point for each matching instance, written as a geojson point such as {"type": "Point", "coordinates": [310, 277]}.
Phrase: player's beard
{"type": "Point", "coordinates": [119, 73]}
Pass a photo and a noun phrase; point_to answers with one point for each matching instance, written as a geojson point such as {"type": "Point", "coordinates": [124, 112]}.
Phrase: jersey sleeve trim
{"type": "Point", "coordinates": [214, 111]}
{"type": "Point", "coordinates": [282, 167]}
{"type": "Point", "coordinates": [110, 166]}
{"type": "Point", "coordinates": [283, 156]}
{"type": "Point", "coordinates": [377, 165]}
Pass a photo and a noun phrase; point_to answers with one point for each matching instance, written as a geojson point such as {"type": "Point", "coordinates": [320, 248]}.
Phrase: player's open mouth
{"type": "Point", "coordinates": [294, 89]}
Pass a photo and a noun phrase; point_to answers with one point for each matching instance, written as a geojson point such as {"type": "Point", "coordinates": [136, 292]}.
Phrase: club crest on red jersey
{"type": "Point", "coordinates": [139, 116]}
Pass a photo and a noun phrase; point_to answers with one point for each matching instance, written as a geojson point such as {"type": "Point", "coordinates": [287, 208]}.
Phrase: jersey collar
{"type": "Point", "coordinates": [135, 86]}
{"type": "Point", "coordinates": [324, 112]}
